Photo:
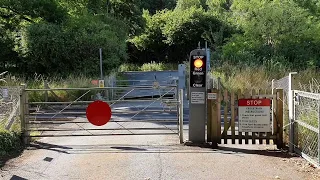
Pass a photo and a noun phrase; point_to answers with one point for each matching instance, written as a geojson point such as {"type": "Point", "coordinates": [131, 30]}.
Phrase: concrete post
{"type": "Point", "coordinates": [291, 111]}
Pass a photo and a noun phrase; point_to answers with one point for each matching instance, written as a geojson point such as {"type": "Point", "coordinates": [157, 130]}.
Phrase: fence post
{"type": "Point", "coordinates": [46, 95]}
{"type": "Point", "coordinates": [291, 111]}
{"type": "Point", "coordinates": [279, 117]}
{"type": "Point", "coordinates": [291, 120]}
{"type": "Point", "coordinates": [22, 112]}
{"type": "Point", "coordinates": [23, 118]}
{"type": "Point", "coordinates": [113, 84]}
{"type": "Point", "coordinates": [107, 83]}
{"type": "Point", "coordinates": [27, 141]}
{"type": "Point", "coordinates": [215, 126]}
{"type": "Point", "coordinates": [319, 133]}
{"type": "Point", "coordinates": [209, 118]}
{"type": "Point", "coordinates": [181, 96]}
{"type": "Point", "coordinates": [177, 98]}
{"type": "Point", "coordinates": [182, 78]}
{"type": "Point", "coordinates": [209, 107]}
{"type": "Point", "coordinates": [272, 104]}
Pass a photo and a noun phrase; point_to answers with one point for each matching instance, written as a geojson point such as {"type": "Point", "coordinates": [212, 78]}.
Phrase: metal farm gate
{"type": "Point", "coordinates": [61, 112]}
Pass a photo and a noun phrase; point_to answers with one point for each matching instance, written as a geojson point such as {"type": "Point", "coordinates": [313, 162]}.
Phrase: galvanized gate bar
{"type": "Point", "coordinates": [36, 119]}
{"type": "Point", "coordinates": [101, 88]}
{"type": "Point", "coordinates": [87, 102]}
{"type": "Point", "coordinates": [100, 129]}
{"type": "Point", "coordinates": [110, 134]}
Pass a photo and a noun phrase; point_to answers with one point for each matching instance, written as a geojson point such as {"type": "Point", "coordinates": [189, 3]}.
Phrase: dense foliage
{"type": "Point", "coordinates": [64, 36]}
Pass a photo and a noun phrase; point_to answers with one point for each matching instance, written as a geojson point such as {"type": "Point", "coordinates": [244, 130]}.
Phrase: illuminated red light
{"type": "Point", "coordinates": [198, 63]}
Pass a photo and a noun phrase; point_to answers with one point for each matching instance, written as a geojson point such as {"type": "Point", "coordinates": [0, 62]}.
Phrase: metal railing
{"type": "Point", "coordinates": [304, 131]}
{"type": "Point", "coordinates": [9, 106]}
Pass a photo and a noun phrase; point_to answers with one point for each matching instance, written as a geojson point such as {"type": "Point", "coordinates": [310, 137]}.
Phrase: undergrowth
{"type": "Point", "coordinates": [152, 66]}
{"type": "Point", "coordinates": [10, 142]}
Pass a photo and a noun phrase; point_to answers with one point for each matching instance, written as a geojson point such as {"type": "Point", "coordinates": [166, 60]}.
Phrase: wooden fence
{"type": "Point", "coordinates": [226, 105]}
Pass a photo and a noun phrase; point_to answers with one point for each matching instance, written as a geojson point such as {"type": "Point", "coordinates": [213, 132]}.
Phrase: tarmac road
{"type": "Point", "coordinates": [164, 78]}
{"type": "Point", "coordinates": [150, 157]}
{"type": "Point", "coordinates": [153, 157]}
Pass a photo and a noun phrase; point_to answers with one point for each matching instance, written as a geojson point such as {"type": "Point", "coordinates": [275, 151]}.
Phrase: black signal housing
{"type": "Point", "coordinates": [198, 68]}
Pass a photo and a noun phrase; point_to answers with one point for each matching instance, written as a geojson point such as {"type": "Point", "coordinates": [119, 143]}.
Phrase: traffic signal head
{"type": "Point", "coordinates": [198, 63]}
{"type": "Point", "coordinates": [198, 69]}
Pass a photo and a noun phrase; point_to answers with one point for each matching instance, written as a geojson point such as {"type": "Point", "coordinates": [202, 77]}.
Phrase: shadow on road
{"type": "Point", "coordinates": [4, 159]}
{"type": "Point", "coordinates": [166, 149]}
{"type": "Point", "coordinates": [273, 153]}
{"type": "Point", "coordinates": [129, 148]}
{"type": "Point", "coordinates": [51, 147]}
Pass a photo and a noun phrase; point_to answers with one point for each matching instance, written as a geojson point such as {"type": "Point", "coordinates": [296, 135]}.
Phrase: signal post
{"type": "Point", "coordinates": [197, 101]}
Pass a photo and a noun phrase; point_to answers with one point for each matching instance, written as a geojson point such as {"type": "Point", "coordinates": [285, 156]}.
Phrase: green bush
{"type": "Point", "coordinates": [74, 46]}
{"type": "Point", "coordinates": [10, 142]}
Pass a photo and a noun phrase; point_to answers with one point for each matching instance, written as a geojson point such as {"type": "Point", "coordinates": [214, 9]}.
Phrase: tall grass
{"type": "Point", "coordinates": [308, 80]}
{"type": "Point", "coordinates": [260, 77]}
{"type": "Point", "coordinates": [152, 66]}
{"type": "Point", "coordinates": [38, 82]}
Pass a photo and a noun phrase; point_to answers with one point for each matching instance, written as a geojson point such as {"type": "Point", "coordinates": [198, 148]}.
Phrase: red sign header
{"type": "Point", "coordinates": [254, 102]}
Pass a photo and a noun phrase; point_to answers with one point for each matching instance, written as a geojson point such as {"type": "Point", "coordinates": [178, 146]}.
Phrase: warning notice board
{"type": "Point", "coordinates": [197, 98]}
{"type": "Point", "coordinates": [254, 115]}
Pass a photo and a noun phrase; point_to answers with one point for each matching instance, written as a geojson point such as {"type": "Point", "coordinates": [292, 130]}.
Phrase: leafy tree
{"type": "Point", "coordinates": [150, 44]}
{"type": "Point", "coordinates": [273, 29]}
{"type": "Point", "coordinates": [186, 4]}
{"type": "Point", "coordinates": [74, 46]}
{"type": "Point", "coordinates": [171, 35]}
{"type": "Point", "coordinates": [313, 6]}
{"type": "Point", "coordinates": [30, 10]}
{"type": "Point", "coordinates": [128, 11]}
{"type": "Point", "coordinates": [58, 36]}
{"type": "Point", "coordinates": [157, 5]}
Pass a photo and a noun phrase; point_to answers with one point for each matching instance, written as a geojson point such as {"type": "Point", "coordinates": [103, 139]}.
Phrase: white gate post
{"type": "Point", "coordinates": [272, 117]}
{"type": "Point", "coordinates": [181, 96]}
{"type": "Point", "coordinates": [291, 111]}
{"type": "Point", "coordinates": [182, 78]}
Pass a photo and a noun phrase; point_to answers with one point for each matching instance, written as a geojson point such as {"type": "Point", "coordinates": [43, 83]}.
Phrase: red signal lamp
{"type": "Point", "coordinates": [198, 63]}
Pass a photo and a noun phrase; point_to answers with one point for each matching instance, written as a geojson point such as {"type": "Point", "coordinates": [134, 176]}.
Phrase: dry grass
{"type": "Point", "coordinates": [38, 81]}
{"type": "Point", "coordinates": [260, 77]}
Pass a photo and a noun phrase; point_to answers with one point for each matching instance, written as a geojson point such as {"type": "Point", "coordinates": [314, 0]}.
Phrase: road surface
{"type": "Point", "coordinates": [148, 157]}
{"type": "Point", "coordinates": [164, 78]}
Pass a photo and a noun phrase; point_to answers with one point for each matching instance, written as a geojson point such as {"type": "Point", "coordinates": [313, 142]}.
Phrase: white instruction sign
{"type": "Point", "coordinates": [197, 98]}
{"type": "Point", "coordinates": [254, 115]}
{"type": "Point", "coordinates": [212, 95]}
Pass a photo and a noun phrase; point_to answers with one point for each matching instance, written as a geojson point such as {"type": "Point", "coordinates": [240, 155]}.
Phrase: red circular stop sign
{"type": "Point", "coordinates": [98, 113]}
